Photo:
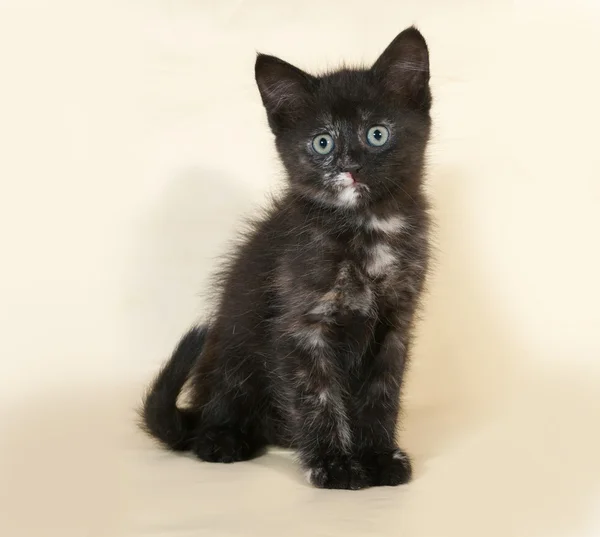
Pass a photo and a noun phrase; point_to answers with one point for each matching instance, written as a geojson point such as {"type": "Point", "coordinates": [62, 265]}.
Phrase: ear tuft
{"type": "Point", "coordinates": [403, 68]}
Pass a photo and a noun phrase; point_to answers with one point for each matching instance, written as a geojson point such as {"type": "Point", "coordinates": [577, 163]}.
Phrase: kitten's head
{"type": "Point", "coordinates": [355, 136]}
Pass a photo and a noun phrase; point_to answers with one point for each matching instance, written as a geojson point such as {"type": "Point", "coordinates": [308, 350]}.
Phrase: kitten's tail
{"type": "Point", "coordinates": [160, 416]}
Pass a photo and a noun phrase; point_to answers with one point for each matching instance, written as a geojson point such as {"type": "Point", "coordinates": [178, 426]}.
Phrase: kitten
{"type": "Point", "coordinates": [308, 345]}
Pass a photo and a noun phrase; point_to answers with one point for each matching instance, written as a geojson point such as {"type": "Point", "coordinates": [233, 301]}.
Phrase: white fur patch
{"type": "Point", "coordinates": [382, 259]}
{"type": "Point", "coordinates": [348, 194]}
{"type": "Point", "coordinates": [308, 475]}
{"type": "Point", "coordinates": [345, 434]}
{"type": "Point", "coordinates": [311, 338]}
{"type": "Point", "coordinates": [342, 180]}
{"type": "Point", "coordinates": [341, 419]}
{"type": "Point", "coordinates": [334, 402]}
{"type": "Point", "coordinates": [390, 225]}
{"type": "Point", "coordinates": [399, 456]}
{"type": "Point", "coordinates": [314, 475]}
{"type": "Point", "coordinates": [185, 397]}
{"type": "Point", "coordinates": [347, 197]}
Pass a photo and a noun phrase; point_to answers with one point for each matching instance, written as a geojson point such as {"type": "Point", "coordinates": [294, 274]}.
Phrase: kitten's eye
{"type": "Point", "coordinates": [378, 135]}
{"type": "Point", "coordinates": [323, 144]}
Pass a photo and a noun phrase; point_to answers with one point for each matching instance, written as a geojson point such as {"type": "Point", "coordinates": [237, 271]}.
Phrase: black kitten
{"type": "Point", "coordinates": [309, 343]}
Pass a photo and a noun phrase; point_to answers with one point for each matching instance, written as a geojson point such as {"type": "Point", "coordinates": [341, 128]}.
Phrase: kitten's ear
{"type": "Point", "coordinates": [403, 69]}
{"type": "Point", "coordinates": [285, 90]}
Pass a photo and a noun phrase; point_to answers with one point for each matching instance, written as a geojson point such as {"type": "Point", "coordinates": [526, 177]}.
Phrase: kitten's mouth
{"type": "Point", "coordinates": [346, 180]}
{"type": "Point", "coordinates": [349, 191]}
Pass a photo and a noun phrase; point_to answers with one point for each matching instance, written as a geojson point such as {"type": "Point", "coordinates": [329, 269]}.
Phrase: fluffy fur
{"type": "Point", "coordinates": [308, 345]}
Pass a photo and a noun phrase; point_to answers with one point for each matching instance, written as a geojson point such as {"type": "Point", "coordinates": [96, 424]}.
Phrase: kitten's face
{"type": "Point", "coordinates": [353, 137]}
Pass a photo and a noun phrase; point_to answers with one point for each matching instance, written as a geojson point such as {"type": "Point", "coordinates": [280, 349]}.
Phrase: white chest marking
{"type": "Point", "coordinates": [310, 338]}
{"type": "Point", "coordinates": [381, 260]}
{"type": "Point", "coordinates": [390, 225]}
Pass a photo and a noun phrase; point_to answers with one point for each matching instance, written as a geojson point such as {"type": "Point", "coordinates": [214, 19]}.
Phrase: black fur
{"type": "Point", "coordinates": [308, 344]}
{"type": "Point", "coordinates": [161, 417]}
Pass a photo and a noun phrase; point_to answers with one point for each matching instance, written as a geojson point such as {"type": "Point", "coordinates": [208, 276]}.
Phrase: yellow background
{"type": "Point", "coordinates": [132, 142]}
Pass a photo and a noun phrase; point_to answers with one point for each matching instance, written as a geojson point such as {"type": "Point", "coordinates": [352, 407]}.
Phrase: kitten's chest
{"type": "Point", "coordinates": [381, 261]}
{"type": "Point", "coordinates": [386, 266]}
{"type": "Point", "coordinates": [379, 258]}
{"type": "Point", "coordinates": [378, 266]}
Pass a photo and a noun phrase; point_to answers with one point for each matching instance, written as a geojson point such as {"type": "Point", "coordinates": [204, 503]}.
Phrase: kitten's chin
{"type": "Point", "coordinates": [351, 197]}
{"type": "Point", "coordinates": [347, 192]}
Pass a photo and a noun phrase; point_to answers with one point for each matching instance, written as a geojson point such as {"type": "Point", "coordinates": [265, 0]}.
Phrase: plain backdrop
{"type": "Point", "coordinates": [132, 143]}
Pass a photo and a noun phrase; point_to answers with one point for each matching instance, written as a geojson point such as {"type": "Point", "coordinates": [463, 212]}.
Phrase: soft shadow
{"type": "Point", "coordinates": [284, 462]}
{"type": "Point", "coordinates": [62, 466]}
{"type": "Point", "coordinates": [532, 469]}
{"type": "Point", "coordinates": [503, 444]}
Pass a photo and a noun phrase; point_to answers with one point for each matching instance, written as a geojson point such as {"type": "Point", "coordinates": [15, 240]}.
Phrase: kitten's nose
{"type": "Point", "coordinates": [351, 167]}
{"type": "Point", "coordinates": [352, 171]}
{"type": "Point", "coordinates": [350, 161]}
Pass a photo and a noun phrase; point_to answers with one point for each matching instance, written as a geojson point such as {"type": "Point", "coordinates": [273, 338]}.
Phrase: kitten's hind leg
{"type": "Point", "coordinates": [226, 443]}
{"type": "Point", "coordinates": [228, 401]}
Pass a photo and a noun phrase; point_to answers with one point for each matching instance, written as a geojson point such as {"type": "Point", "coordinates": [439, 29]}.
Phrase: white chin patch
{"type": "Point", "coordinates": [347, 196]}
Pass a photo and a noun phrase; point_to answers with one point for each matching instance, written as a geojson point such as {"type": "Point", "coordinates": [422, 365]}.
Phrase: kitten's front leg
{"type": "Point", "coordinates": [376, 407]}
{"type": "Point", "coordinates": [319, 413]}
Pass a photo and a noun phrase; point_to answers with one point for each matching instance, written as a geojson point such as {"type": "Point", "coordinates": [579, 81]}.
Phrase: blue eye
{"type": "Point", "coordinates": [323, 144]}
{"type": "Point", "coordinates": [378, 135]}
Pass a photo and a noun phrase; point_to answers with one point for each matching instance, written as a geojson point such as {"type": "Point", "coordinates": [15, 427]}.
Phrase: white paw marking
{"type": "Point", "coordinates": [308, 475]}
{"type": "Point", "coordinates": [314, 475]}
{"type": "Point", "coordinates": [343, 179]}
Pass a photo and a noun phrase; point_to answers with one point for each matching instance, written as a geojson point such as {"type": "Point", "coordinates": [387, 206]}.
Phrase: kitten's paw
{"type": "Point", "coordinates": [225, 444]}
{"type": "Point", "coordinates": [389, 468]}
{"type": "Point", "coordinates": [337, 473]}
